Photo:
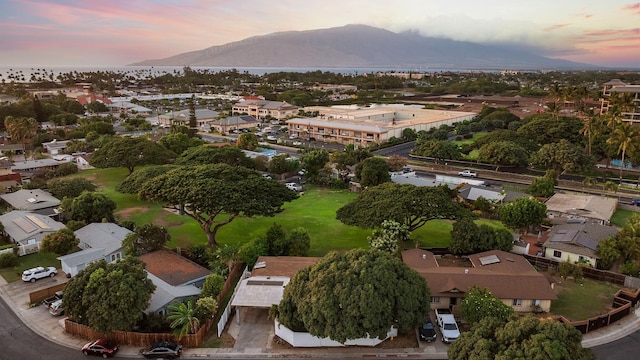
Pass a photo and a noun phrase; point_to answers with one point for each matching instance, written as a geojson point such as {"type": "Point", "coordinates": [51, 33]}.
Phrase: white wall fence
{"type": "Point", "coordinates": [227, 310]}
{"type": "Point", "coordinates": [304, 339]}
{"type": "Point", "coordinates": [28, 249]}
{"type": "Point", "coordinates": [6, 251]}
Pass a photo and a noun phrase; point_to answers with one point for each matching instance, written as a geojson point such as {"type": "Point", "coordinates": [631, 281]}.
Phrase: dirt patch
{"type": "Point", "coordinates": [402, 341]}
{"type": "Point", "coordinates": [161, 219]}
{"type": "Point", "coordinates": [127, 213]}
{"type": "Point", "coordinates": [453, 261]}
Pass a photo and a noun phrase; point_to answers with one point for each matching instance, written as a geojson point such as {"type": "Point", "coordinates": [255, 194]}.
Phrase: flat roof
{"type": "Point", "coordinates": [260, 291]}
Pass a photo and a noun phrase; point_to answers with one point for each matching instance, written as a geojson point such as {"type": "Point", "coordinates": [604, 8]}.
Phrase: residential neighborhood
{"type": "Point", "coordinates": [217, 215]}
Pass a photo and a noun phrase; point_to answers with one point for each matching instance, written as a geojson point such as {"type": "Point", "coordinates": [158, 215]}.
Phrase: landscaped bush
{"type": "Point", "coordinates": [8, 260]}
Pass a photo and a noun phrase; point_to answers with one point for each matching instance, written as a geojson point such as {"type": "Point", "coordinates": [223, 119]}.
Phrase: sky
{"type": "Point", "coordinates": [119, 32]}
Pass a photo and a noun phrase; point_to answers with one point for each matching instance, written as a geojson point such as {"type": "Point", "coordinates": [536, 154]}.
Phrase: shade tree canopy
{"type": "Point", "coordinates": [179, 142]}
{"type": "Point", "coordinates": [69, 187]}
{"type": "Point", "coordinates": [523, 338]}
{"type": "Point", "coordinates": [353, 295]}
{"type": "Point", "coordinates": [214, 195]}
{"type": "Point", "coordinates": [468, 238]}
{"type": "Point", "coordinates": [130, 152]}
{"type": "Point", "coordinates": [89, 207]}
{"type": "Point", "coordinates": [109, 297]}
{"type": "Point", "coordinates": [479, 303]}
{"type": "Point", "coordinates": [204, 155]}
{"type": "Point", "coordinates": [60, 242]}
{"type": "Point", "coordinates": [373, 171]}
{"type": "Point", "coordinates": [145, 239]}
{"type": "Point", "coordinates": [522, 213]}
{"type": "Point", "coordinates": [132, 183]}
{"type": "Point", "coordinates": [406, 204]}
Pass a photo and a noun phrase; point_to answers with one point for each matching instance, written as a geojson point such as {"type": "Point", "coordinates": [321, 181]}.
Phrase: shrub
{"type": "Point", "coordinates": [8, 260]}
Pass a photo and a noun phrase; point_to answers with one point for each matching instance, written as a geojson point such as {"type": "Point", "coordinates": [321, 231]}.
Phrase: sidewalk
{"type": "Point", "coordinates": [52, 328]}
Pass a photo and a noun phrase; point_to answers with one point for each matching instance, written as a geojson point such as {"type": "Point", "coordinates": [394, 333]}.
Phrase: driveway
{"type": "Point", "coordinates": [255, 330]}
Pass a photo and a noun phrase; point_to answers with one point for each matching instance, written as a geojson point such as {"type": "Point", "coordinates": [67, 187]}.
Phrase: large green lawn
{"type": "Point", "coordinates": [27, 262]}
{"type": "Point", "coordinates": [314, 211]}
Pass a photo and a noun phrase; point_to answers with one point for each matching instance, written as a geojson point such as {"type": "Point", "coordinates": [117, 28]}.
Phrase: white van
{"type": "Point", "coordinates": [56, 308]}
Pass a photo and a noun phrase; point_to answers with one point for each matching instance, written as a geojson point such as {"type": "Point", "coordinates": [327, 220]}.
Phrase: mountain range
{"type": "Point", "coordinates": [362, 46]}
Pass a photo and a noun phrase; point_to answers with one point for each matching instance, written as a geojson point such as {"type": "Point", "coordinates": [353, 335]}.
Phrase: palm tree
{"type": "Point", "coordinates": [21, 129]}
{"type": "Point", "coordinates": [625, 138]}
{"type": "Point", "coordinates": [588, 127]}
{"type": "Point", "coordinates": [183, 315]}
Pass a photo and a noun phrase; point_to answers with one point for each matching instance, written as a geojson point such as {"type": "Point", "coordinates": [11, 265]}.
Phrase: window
{"type": "Point", "coordinates": [435, 299]}
{"type": "Point", "coordinates": [115, 257]}
{"type": "Point", "coordinates": [557, 253]}
{"type": "Point", "coordinates": [535, 302]}
{"type": "Point", "coordinates": [517, 302]}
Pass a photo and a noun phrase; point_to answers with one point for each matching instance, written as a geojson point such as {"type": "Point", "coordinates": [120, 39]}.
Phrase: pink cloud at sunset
{"type": "Point", "coordinates": [117, 32]}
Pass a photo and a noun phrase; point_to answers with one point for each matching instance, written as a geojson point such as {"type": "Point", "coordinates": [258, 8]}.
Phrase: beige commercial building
{"type": "Point", "coordinates": [363, 126]}
{"type": "Point", "coordinates": [615, 87]}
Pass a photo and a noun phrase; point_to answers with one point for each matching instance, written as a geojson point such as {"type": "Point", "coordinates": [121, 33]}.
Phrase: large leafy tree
{"type": "Point", "coordinates": [480, 303]}
{"type": "Point", "coordinates": [546, 129]}
{"type": "Point", "coordinates": [133, 182]}
{"type": "Point", "coordinates": [522, 213]}
{"type": "Point", "coordinates": [247, 141]}
{"type": "Point", "coordinates": [355, 294]}
{"type": "Point", "coordinates": [204, 155]}
{"type": "Point", "coordinates": [406, 204]}
{"type": "Point", "coordinates": [441, 150]}
{"type": "Point", "coordinates": [504, 153]}
{"type": "Point", "coordinates": [314, 161]}
{"type": "Point", "coordinates": [89, 207]}
{"type": "Point", "coordinates": [373, 171]}
{"type": "Point", "coordinates": [69, 187]}
{"type": "Point", "coordinates": [60, 242]}
{"type": "Point", "coordinates": [179, 142]}
{"type": "Point", "coordinates": [145, 239]}
{"type": "Point", "coordinates": [130, 152]}
{"type": "Point", "coordinates": [523, 338]}
{"type": "Point", "coordinates": [388, 236]}
{"type": "Point", "coordinates": [214, 195]}
{"type": "Point", "coordinates": [563, 157]}
{"type": "Point", "coordinates": [109, 297]}
{"type": "Point", "coordinates": [468, 238]}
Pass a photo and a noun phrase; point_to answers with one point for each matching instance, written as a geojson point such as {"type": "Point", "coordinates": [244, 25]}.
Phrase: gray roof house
{"type": "Point", "coordinates": [98, 241]}
{"type": "Point", "coordinates": [34, 200]}
{"type": "Point", "coordinates": [472, 193]}
{"type": "Point", "coordinates": [576, 242]}
{"type": "Point", "coordinates": [27, 229]}
{"type": "Point", "coordinates": [166, 293]}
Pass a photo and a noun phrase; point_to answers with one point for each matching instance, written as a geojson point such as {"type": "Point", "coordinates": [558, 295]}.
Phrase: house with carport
{"type": "Point", "coordinates": [98, 241]}
{"type": "Point", "coordinates": [508, 276]}
{"type": "Point", "coordinates": [576, 242]}
{"type": "Point", "coordinates": [265, 286]}
{"type": "Point", "coordinates": [176, 278]}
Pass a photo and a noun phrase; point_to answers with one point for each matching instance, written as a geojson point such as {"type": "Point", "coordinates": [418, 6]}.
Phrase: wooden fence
{"type": "Point", "coordinates": [624, 301]}
{"type": "Point", "coordinates": [136, 338]}
{"type": "Point", "coordinates": [596, 274]}
{"type": "Point", "coordinates": [146, 339]}
{"type": "Point", "coordinates": [37, 296]}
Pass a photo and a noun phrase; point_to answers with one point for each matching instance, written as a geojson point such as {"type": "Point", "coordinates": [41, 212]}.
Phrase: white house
{"type": "Point", "coordinates": [98, 241]}
{"type": "Point", "coordinates": [27, 229]}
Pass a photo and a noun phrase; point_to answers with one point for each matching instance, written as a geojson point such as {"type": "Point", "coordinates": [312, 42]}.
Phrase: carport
{"type": "Point", "coordinates": [259, 292]}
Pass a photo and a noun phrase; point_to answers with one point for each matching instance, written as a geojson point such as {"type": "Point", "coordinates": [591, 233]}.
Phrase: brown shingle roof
{"type": "Point", "coordinates": [282, 265]}
{"type": "Point", "coordinates": [510, 278]}
{"type": "Point", "coordinates": [173, 268]}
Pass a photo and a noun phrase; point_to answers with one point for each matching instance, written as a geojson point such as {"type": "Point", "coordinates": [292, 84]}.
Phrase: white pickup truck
{"type": "Point", "coordinates": [467, 173]}
{"type": "Point", "coordinates": [448, 326]}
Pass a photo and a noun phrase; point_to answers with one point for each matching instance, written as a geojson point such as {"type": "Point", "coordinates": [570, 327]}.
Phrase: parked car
{"type": "Point", "coordinates": [56, 308]}
{"type": "Point", "coordinates": [468, 173]}
{"type": "Point", "coordinates": [163, 350]}
{"type": "Point", "coordinates": [448, 325]}
{"type": "Point", "coordinates": [272, 138]}
{"type": "Point", "coordinates": [635, 202]}
{"type": "Point", "coordinates": [293, 186]}
{"type": "Point", "coordinates": [427, 331]}
{"type": "Point", "coordinates": [39, 272]}
{"type": "Point", "coordinates": [51, 299]}
{"type": "Point", "coordinates": [293, 136]}
{"type": "Point", "coordinates": [297, 143]}
{"type": "Point", "coordinates": [100, 347]}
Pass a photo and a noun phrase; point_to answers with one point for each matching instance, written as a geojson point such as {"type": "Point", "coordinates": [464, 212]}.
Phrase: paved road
{"type": "Point", "coordinates": [20, 342]}
{"type": "Point", "coordinates": [627, 348]}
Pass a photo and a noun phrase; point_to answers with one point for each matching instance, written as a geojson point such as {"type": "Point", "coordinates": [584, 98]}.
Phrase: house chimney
{"type": "Point", "coordinates": [424, 256]}
{"type": "Point", "coordinates": [466, 271]}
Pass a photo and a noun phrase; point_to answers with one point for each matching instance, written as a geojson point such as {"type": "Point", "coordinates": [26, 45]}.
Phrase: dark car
{"type": "Point", "coordinates": [427, 331]}
{"type": "Point", "coordinates": [100, 347]}
{"type": "Point", "coordinates": [163, 350]}
{"type": "Point", "coordinates": [51, 299]}
{"type": "Point", "coordinates": [635, 202]}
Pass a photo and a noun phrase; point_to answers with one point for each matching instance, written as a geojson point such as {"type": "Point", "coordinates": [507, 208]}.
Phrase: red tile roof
{"type": "Point", "coordinates": [510, 278]}
{"type": "Point", "coordinates": [282, 265]}
{"type": "Point", "coordinates": [173, 268]}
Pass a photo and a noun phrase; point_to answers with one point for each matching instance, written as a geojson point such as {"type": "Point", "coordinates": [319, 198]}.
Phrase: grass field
{"type": "Point", "coordinates": [583, 299]}
{"type": "Point", "coordinates": [314, 211]}
{"type": "Point", "coordinates": [621, 217]}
